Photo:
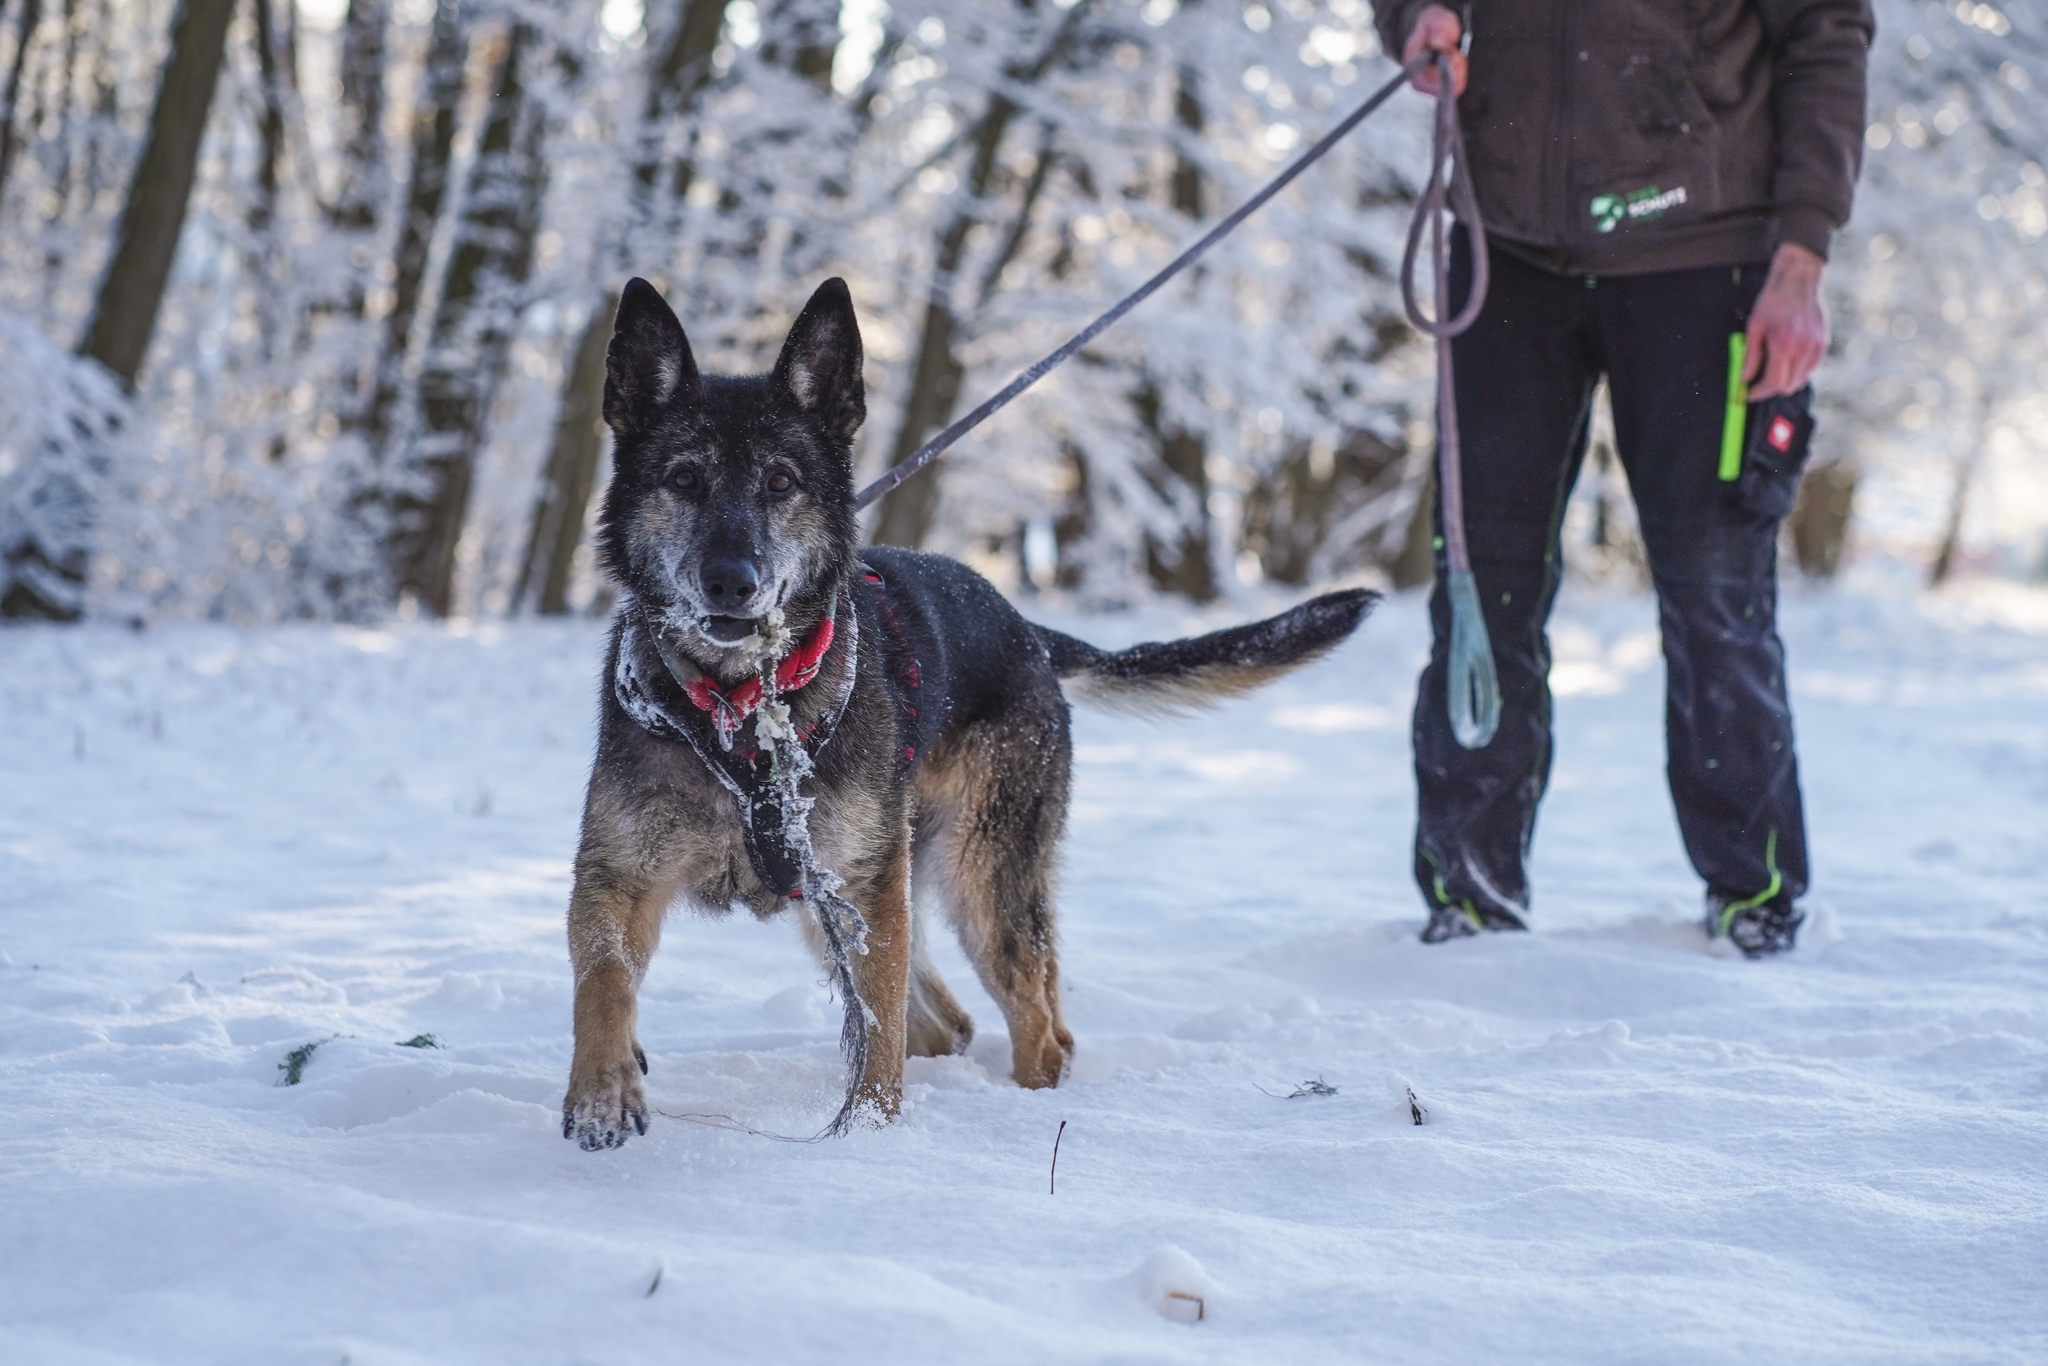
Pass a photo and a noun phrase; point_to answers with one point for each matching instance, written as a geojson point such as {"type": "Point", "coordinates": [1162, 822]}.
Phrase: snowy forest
{"type": "Point", "coordinates": [303, 303]}
{"type": "Point", "coordinates": [305, 653]}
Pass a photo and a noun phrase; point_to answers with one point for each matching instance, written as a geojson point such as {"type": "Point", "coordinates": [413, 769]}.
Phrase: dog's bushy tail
{"type": "Point", "coordinates": [1179, 676]}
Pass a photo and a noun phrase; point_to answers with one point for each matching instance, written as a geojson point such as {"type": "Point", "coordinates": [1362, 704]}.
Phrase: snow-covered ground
{"type": "Point", "coordinates": [217, 846]}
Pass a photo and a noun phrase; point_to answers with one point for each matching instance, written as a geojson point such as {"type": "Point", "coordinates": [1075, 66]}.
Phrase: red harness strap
{"type": "Point", "coordinates": [730, 709]}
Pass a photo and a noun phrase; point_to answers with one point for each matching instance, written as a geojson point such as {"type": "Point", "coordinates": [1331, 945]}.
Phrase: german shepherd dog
{"type": "Point", "coordinates": [790, 722]}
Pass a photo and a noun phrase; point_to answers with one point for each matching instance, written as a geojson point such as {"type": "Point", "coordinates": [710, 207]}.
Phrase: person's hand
{"type": "Point", "coordinates": [1436, 30]}
{"type": "Point", "coordinates": [1788, 328]}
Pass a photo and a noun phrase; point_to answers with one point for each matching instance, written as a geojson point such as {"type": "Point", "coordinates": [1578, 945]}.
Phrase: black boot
{"type": "Point", "coordinates": [1455, 922]}
{"type": "Point", "coordinates": [1758, 928]}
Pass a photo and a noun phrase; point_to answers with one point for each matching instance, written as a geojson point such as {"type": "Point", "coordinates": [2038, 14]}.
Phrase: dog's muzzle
{"type": "Point", "coordinates": [728, 630]}
{"type": "Point", "coordinates": [731, 584]}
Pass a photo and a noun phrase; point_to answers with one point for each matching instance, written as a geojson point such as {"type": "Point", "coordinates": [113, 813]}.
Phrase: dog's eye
{"type": "Point", "coordinates": [683, 478]}
{"type": "Point", "coordinates": [781, 482]}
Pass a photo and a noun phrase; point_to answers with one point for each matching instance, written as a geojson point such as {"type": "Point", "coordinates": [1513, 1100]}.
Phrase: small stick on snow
{"type": "Point", "coordinates": [1415, 1110]}
{"type": "Point", "coordinates": [1052, 1181]}
{"type": "Point", "coordinates": [655, 1284]}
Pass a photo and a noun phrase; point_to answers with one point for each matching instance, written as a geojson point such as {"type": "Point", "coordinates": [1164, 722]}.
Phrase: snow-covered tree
{"type": "Point", "coordinates": [1941, 281]}
{"type": "Point", "coordinates": [373, 370]}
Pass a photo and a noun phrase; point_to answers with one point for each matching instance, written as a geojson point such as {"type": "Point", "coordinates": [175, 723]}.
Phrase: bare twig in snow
{"type": "Point", "coordinates": [1314, 1086]}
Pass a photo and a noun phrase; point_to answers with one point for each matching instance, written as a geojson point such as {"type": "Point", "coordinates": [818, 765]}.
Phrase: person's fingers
{"type": "Point", "coordinates": [1778, 370]}
{"type": "Point", "coordinates": [1802, 359]}
{"type": "Point", "coordinates": [1811, 354]}
{"type": "Point", "coordinates": [1437, 30]}
{"type": "Point", "coordinates": [1757, 343]}
{"type": "Point", "coordinates": [1789, 364]}
{"type": "Point", "coordinates": [1429, 79]}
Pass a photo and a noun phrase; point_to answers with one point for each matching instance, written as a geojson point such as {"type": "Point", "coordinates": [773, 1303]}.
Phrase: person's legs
{"type": "Point", "coordinates": [1525, 373]}
{"type": "Point", "coordinates": [1728, 721]}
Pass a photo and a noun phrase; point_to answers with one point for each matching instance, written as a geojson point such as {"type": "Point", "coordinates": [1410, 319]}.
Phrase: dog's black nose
{"type": "Point", "coordinates": [730, 582]}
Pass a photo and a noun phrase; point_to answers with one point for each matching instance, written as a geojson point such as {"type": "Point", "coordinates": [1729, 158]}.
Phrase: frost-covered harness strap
{"type": "Point", "coordinates": [711, 725]}
{"type": "Point", "coordinates": [767, 778]}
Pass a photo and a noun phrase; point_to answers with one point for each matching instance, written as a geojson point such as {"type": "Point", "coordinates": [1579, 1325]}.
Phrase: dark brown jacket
{"type": "Point", "coordinates": [1628, 136]}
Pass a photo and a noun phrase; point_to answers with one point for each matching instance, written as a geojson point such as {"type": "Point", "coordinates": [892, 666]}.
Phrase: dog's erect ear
{"type": "Point", "coordinates": [819, 369]}
{"type": "Point", "coordinates": [649, 362]}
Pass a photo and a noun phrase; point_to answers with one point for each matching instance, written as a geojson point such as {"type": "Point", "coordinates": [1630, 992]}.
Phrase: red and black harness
{"type": "Point", "coordinates": [715, 717]}
{"type": "Point", "coordinates": [650, 678]}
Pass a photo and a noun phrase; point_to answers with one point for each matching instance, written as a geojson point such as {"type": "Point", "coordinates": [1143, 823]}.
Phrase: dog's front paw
{"type": "Point", "coordinates": [606, 1108]}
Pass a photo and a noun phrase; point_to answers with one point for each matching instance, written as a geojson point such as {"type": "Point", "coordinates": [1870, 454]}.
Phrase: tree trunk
{"type": "Point", "coordinates": [907, 513]}
{"type": "Point", "coordinates": [24, 32]}
{"type": "Point", "coordinates": [55, 99]}
{"type": "Point", "coordinates": [1415, 565]}
{"type": "Point", "coordinates": [1952, 533]}
{"type": "Point", "coordinates": [678, 75]}
{"type": "Point", "coordinates": [362, 103]}
{"type": "Point", "coordinates": [564, 503]}
{"type": "Point", "coordinates": [675, 80]}
{"type": "Point", "coordinates": [1820, 523]}
{"type": "Point", "coordinates": [360, 199]}
{"type": "Point", "coordinates": [270, 124]}
{"type": "Point", "coordinates": [1966, 473]}
{"type": "Point", "coordinates": [1187, 568]}
{"type": "Point", "coordinates": [802, 36]}
{"type": "Point", "coordinates": [472, 332]}
{"type": "Point", "coordinates": [132, 291]}
{"type": "Point", "coordinates": [936, 374]}
{"type": "Point", "coordinates": [436, 108]}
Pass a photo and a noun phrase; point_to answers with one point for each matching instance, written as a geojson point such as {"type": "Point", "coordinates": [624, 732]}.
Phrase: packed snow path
{"type": "Point", "coordinates": [217, 846]}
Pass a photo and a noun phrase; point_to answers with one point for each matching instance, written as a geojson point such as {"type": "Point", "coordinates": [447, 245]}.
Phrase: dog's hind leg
{"type": "Point", "coordinates": [938, 1025]}
{"type": "Point", "coordinates": [997, 795]}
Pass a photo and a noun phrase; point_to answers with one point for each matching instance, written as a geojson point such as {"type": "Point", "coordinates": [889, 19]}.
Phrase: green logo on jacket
{"type": "Point", "coordinates": [1610, 211]}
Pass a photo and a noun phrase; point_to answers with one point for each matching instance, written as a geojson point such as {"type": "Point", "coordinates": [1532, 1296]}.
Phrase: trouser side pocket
{"type": "Point", "coordinates": [1779, 433]}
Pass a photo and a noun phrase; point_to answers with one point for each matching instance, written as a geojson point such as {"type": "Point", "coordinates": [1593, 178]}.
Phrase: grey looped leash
{"type": "Point", "coordinates": [932, 449]}
{"type": "Point", "coordinates": [1475, 687]}
{"type": "Point", "coordinates": [1473, 683]}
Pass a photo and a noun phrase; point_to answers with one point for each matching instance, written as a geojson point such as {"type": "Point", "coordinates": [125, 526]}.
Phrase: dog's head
{"type": "Point", "coordinates": [731, 497]}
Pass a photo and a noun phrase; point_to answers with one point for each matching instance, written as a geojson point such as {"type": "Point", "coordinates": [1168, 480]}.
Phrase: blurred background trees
{"type": "Point", "coordinates": [303, 303]}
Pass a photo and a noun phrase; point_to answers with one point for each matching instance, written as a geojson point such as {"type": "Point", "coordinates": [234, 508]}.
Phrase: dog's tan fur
{"type": "Point", "coordinates": [995, 888]}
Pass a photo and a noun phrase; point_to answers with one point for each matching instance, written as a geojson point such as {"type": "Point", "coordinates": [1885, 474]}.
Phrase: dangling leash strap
{"type": "Point", "coordinates": [1474, 684]}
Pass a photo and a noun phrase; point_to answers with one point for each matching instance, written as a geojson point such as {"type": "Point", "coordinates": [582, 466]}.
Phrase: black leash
{"type": "Point", "coordinates": [932, 449]}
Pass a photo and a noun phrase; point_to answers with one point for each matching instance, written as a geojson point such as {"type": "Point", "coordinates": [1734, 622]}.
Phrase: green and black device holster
{"type": "Point", "coordinates": [1763, 445]}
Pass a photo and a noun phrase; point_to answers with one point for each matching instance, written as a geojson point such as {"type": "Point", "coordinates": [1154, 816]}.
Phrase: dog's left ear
{"type": "Point", "coordinates": [819, 369]}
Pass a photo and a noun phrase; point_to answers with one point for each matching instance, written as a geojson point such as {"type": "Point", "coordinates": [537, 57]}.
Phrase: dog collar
{"type": "Point", "coordinates": [729, 708]}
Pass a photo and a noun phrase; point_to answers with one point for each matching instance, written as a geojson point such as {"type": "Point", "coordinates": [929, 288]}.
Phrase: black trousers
{"type": "Point", "coordinates": [1525, 373]}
